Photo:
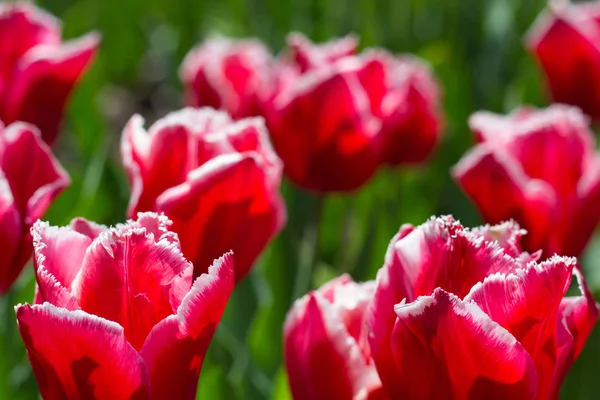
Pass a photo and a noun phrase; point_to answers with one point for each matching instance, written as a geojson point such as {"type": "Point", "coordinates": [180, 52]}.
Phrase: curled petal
{"type": "Point", "coordinates": [97, 363]}
{"type": "Point", "coordinates": [445, 347]}
{"type": "Point", "coordinates": [175, 349]}
{"type": "Point", "coordinates": [88, 228]}
{"type": "Point", "coordinates": [52, 243]}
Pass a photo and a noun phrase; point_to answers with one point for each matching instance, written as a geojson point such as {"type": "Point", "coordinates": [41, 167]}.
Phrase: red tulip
{"type": "Point", "coordinates": [120, 317]}
{"type": "Point", "coordinates": [30, 178]}
{"type": "Point", "coordinates": [37, 71]}
{"type": "Point", "coordinates": [217, 180]}
{"type": "Point", "coordinates": [324, 131]}
{"type": "Point", "coordinates": [539, 167]}
{"type": "Point", "coordinates": [566, 42]}
{"type": "Point", "coordinates": [226, 74]}
{"type": "Point", "coordinates": [461, 313]}
{"type": "Point", "coordinates": [345, 115]}
{"type": "Point", "coordinates": [326, 351]}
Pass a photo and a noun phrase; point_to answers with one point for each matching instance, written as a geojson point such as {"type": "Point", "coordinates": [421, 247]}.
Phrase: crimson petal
{"type": "Point", "coordinates": [175, 348]}
{"type": "Point", "coordinates": [76, 355]}
{"type": "Point", "coordinates": [226, 204]}
{"type": "Point", "coordinates": [445, 347]}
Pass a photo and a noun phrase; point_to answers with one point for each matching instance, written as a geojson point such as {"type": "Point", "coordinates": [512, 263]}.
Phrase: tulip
{"type": "Point", "coordinates": [565, 40]}
{"type": "Point", "coordinates": [37, 70]}
{"type": "Point", "coordinates": [228, 75]}
{"type": "Point", "coordinates": [120, 317]}
{"type": "Point", "coordinates": [217, 180]}
{"type": "Point", "coordinates": [461, 313]}
{"type": "Point", "coordinates": [539, 167]}
{"type": "Point", "coordinates": [325, 341]}
{"type": "Point", "coordinates": [334, 115]}
{"type": "Point", "coordinates": [30, 179]}
{"type": "Point", "coordinates": [345, 115]}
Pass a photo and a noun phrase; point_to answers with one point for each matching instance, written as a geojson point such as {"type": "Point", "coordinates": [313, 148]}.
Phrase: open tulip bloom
{"type": "Point", "coordinates": [30, 179]}
{"type": "Point", "coordinates": [216, 179]}
{"type": "Point", "coordinates": [38, 70]}
{"type": "Point", "coordinates": [540, 168]}
{"type": "Point", "coordinates": [117, 314]}
{"type": "Point", "coordinates": [464, 314]}
{"type": "Point", "coordinates": [334, 115]}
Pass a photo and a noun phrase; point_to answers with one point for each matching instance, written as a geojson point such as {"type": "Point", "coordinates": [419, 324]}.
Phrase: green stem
{"type": "Point", "coordinates": [308, 255]}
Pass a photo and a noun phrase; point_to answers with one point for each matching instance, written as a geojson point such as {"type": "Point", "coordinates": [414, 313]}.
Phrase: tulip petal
{"type": "Point", "coordinates": [23, 26]}
{"type": "Point", "coordinates": [137, 272]}
{"type": "Point", "coordinates": [412, 130]}
{"type": "Point", "coordinates": [52, 243]}
{"type": "Point", "coordinates": [11, 231]}
{"type": "Point", "coordinates": [50, 290]}
{"type": "Point", "coordinates": [552, 145]}
{"type": "Point", "coordinates": [43, 81]}
{"type": "Point", "coordinates": [175, 348]}
{"type": "Point", "coordinates": [501, 191]}
{"type": "Point", "coordinates": [445, 347]}
{"type": "Point", "coordinates": [582, 216]}
{"type": "Point", "coordinates": [565, 43]}
{"type": "Point", "coordinates": [155, 161]}
{"type": "Point", "coordinates": [522, 302]}
{"type": "Point", "coordinates": [87, 228]}
{"type": "Point", "coordinates": [226, 204]}
{"type": "Point", "coordinates": [563, 340]}
{"type": "Point", "coordinates": [162, 157]}
{"type": "Point", "coordinates": [507, 235]}
{"type": "Point", "coordinates": [321, 359]}
{"type": "Point", "coordinates": [55, 272]}
{"type": "Point", "coordinates": [35, 179]}
{"type": "Point", "coordinates": [97, 361]}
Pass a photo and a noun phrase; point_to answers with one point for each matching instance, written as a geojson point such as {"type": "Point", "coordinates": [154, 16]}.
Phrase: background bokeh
{"type": "Point", "coordinates": [475, 48]}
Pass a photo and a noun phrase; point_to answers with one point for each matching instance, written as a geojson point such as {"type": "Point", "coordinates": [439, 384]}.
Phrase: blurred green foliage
{"type": "Point", "coordinates": [475, 48]}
